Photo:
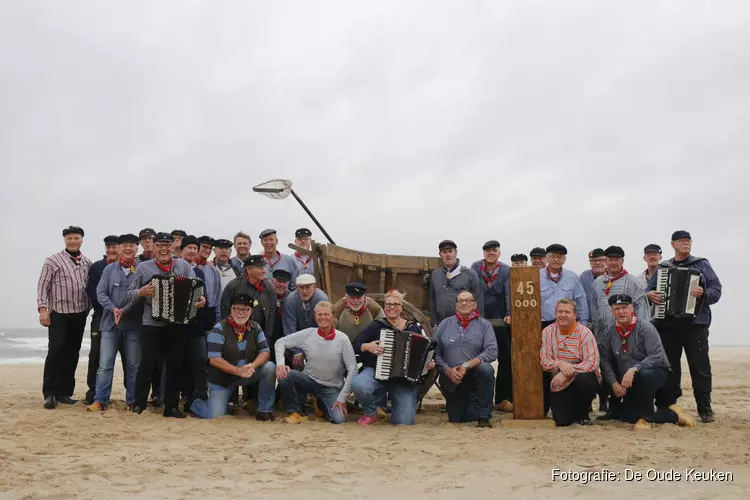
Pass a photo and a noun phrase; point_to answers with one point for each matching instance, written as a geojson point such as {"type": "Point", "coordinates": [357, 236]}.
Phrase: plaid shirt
{"type": "Point", "coordinates": [62, 284]}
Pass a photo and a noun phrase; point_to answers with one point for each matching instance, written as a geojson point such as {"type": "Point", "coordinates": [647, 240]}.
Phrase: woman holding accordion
{"type": "Point", "coordinates": [372, 393]}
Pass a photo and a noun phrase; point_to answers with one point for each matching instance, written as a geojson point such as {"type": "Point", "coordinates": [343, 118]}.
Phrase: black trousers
{"type": "Point", "coordinates": [694, 340]}
{"type": "Point", "coordinates": [572, 403]}
{"type": "Point", "coordinates": [167, 342]}
{"type": "Point", "coordinates": [194, 368]}
{"type": "Point", "coordinates": [65, 334]}
{"type": "Point", "coordinates": [504, 380]}
{"type": "Point", "coordinates": [96, 343]}
{"type": "Point", "coordinates": [639, 401]}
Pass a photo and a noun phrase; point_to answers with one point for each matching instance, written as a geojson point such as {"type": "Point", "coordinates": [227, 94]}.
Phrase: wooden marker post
{"type": "Point", "coordinates": [526, 321]}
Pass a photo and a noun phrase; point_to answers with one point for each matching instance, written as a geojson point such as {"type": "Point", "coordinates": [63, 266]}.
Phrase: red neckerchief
{"type": "Point", "coordinates": [359, 313]}
{"type": "Point", "coordinates": [201, 261]}
{"type": "Point", "coordinates": [491, 279]}
{"type": "Point", "coordinates": [270, 262]}
{"type": "Point", "coordinates": [128, 265]}
{"type": "Point", "coordinates": [239, 330]}
{"type": "Point", "coordinates": [555, 280]}
{"type": "Point", "coordinates": [304, 262]}
{"type": "Point", "coordinates": [465, 321]}
{"type": "Point", "coordinates": [612, 280]}
{"type": "Point", "coordinates": [258, 286]}
{"type": "Point", "coordinates": [167, 268]}
{"type": "Point", "coordinates": [279, 300]}
{"type": "Point", "coordinates": [107, 260]}
{"type": "Point", "coordinates": [327, 336]}
{"type": "Point", "coordinates": [624, 334]}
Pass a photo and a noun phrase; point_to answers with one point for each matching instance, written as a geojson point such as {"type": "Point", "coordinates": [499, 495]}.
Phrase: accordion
{"type": "Point", "coordinates": [405, 357]}
{"type": "Point", "coordinates": [676, 283]}
{"type": "Point", "coordinates": [174, 298]}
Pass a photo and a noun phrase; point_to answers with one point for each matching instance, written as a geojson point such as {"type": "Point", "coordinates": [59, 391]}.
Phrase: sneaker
{"type": "Point", "coordinates": [484, 422]}
{"type": "Point", "coordinates": [707, 416]}
{"type": "Point", "coordinates": [265, 416]}
{"type": "Point", "coordinates": [683, 420]}
{"type": "Point", "coordinates": [505, 406]}
{"type": "Point", "coordinates": [367, 420]}
{"type": "Point", "coordinates": [585, 421]}
{"type": "Point", "coordinates": [293, 418]}
{"type": "Point", "coordinates": [641, 425]}
{"type": "Point", "coordinates": [95, 406]}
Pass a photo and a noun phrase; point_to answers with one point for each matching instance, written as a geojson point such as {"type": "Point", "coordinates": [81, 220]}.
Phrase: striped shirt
{"type": "Point", "coordinates": [327, 360]}
{"type": "Point", "coordinates": [62, 284]}
{"type": "Point", "coordinates": [577, 348]}
{"type": "Point", "coordinates": [226, 274]}
{"type": "Point", "coordinates": [215, 344]}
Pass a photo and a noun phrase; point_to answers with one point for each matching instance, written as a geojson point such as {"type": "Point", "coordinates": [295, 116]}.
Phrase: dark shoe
{"type": "Point", "coordinates": [156, 402]}
{"type": "Point", "coordinates": [603, 407]}
{"type": "Point", "coordinates": [585, 421]}
{"type": "Point", "coordinates": [174, 413]}
{"type": "Point", "coordinates": [90, 397]}
{"type": "Point", "coordinates": [137, 409]}
{"type": "Point", "coordinates": [67, 400]}
{"type": "Point", "coordinates": [265, 416]}
{"type": "Point", "coordinates": [50, 403]}
{"type": "Point", "coordinates": [707, 416]}
{"type": "Point", "coordinates": [484, 422]}
{"type": "Point", "coordinates": [606, 416]}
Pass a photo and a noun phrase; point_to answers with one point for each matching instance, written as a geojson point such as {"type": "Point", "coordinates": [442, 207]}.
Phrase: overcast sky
{"type": "Point", "coordinates": [400, 124]}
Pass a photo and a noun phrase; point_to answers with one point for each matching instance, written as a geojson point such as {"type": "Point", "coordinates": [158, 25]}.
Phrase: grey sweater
{"type": "Point", "coordinates": [644, 351]}
{"type": "Point", "coordinates": [143, 274]}
{"type": "Point", "coordinates": [327, 360]}
{"type": "Point", "coordinates": [444, 292]}
{"type": "Point", "coordinates": [601, 314]}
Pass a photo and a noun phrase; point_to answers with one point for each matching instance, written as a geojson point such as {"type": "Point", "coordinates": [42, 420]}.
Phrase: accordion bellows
{"type": "Point", "coordinates": [174, 298]}
{"type": "Point", "coordinates": [406, 356]}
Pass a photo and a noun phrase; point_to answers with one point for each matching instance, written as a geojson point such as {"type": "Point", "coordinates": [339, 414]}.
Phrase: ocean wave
{"type": "Point", "coordinates": [21, 361]}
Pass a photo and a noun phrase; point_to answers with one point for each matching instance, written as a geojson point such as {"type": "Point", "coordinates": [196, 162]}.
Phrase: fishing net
{"type": "Point", "coordinates": [278, 189]}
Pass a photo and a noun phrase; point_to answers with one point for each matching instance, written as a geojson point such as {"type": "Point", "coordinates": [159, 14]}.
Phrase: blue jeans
{"type": "Point", "coordinates": [472, 398]}
{"type": "Point", "coordinates": [297, 383]}
{"type": "Point", "coordinates": [218, 395]}
{"type": "Point", "coordinates": [111, 341]}
{"type": "Point", "coordinates": [372, 393]}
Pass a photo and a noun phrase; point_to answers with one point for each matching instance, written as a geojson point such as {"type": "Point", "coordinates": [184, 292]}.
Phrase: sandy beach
{"type": "Point", "coordinates": [69, 453]}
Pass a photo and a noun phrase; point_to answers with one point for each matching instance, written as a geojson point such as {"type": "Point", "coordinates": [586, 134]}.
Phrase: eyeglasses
{"type": "Point", "coordinates": [241, 310]}
{"type": "Point", "coordinates": [391, 304]}
{"type": "Point", "coordinates": [466, 301]}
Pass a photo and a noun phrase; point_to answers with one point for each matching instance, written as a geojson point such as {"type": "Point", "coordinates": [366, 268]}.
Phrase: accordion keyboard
{"type": "Point", "coordinates": [383, 366]}
{"type": "Point", "coordinates": [662, 282]}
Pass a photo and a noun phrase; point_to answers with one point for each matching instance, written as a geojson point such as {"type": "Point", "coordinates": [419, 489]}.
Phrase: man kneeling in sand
{"type": "Point", "coordinates": [238, 354]}
{"type": "Point", "coordinates": [329, 369]}
{"type": "Point", "coordinates": [634, 363]}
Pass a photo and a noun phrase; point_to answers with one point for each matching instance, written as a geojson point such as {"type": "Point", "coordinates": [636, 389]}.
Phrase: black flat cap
{"type": "Point", "coordinates": [557, 248]}
{"type": "Point", "coordinates": [178, 232]}
{"type": "Point", "coordinates": [538, 252]}
{"type": "Point", "coordinates": [302, 232]}
{"type": "Point", "coordinates": [355, 289]}
{"type": "Point", "coordinates": [254, 261]}
{"type": "Point", "coordinates": [491, 244]}
{"type": "Point", "coordinates": [146, 232]}
{"type": "Point", "coordinates": [681, 235]}
{"type": "Point", "coordinates": [519, 257]}
{"type": "Point", "coordinates": [189, 240]}
{"type": "Point", "coordinates": [614, 251]}
{"type": "Point", "coordinates": [222, 243]}
{"type": "Point", "coordinates": [241, 299]}
{"type": "Point", "coordinates": [596, 253]}
{"type": "Point", "coordinates": [73, 230]}
{"type": "Point", "coordinates": [206, 240]}
{"type": "Point", "coordinates": [111, 239]}
{"type": "Point", "coordinates": [163, 238]}
{"type": "Point", "coordinates": [266, 232]}
{"type": "Point", "coordinates": [446, 244]}
{"type": "Point", "coordinates": [653, 247]}
{"type": "Point", "coordinates": [127, 238]}
{"type": "Point", "coordinates": [282, 275]}
{"type": "Point", "coordinates": [620, 298]}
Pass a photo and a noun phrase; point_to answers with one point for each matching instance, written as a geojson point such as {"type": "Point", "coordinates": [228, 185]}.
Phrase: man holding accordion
{"type": "Point", "coordinates": [684, 320]}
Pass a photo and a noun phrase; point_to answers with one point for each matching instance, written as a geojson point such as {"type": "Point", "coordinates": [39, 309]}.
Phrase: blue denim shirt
{"type": "Point", "coordinates": [112, 292]}
{"type": "Point", "coordinates": [569, 287]}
